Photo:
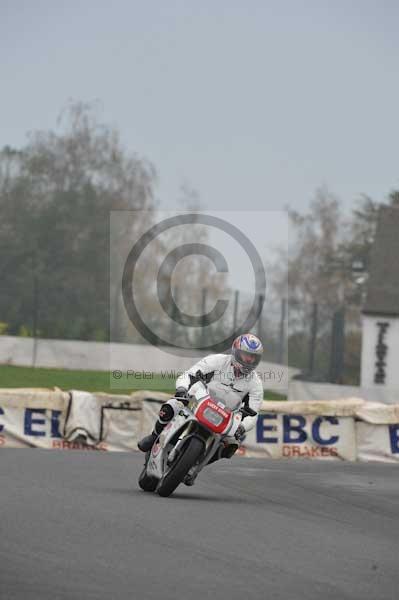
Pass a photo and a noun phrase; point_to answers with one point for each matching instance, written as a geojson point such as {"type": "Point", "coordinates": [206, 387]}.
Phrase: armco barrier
{"type": "Point", "coordinates": [350, 429]}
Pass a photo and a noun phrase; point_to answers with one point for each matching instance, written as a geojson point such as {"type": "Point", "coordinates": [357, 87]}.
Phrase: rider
{"type": "Point", "coordinates": [230, 378]}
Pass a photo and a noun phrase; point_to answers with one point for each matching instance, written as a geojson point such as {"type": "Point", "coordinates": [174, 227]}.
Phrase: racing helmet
{"type": "Point", "coordinates": [246, 353]}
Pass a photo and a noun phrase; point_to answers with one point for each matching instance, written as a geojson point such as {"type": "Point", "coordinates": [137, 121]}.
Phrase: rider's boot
{"type": "Point", "coordinates": [147, 442]}
{"type": "Point", "coordinates": [166, 414]}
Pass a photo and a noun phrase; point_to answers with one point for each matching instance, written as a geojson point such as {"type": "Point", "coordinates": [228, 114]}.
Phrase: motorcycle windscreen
{"type": "Point", "coordinates": [224, 393]}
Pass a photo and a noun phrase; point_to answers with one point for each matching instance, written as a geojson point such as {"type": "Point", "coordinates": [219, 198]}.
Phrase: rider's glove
{"type": "Point", "coordinates": [181, 394]}
{"type": "Point", "coordinates": [240, 433]}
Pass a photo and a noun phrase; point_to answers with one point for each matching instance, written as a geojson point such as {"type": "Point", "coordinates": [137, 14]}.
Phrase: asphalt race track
{"type": "Point", "coordinates": [74, 525]}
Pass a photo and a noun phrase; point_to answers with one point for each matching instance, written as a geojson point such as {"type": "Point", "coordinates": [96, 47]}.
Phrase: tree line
{"type": "Point", "coordinates": [56, 196]}
{"type": "Point", "coordinates": [325, 272]}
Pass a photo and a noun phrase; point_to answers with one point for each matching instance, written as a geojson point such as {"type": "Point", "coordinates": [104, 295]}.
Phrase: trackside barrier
{"type": "Point", "coordinates": [350, 429]}
{"type": "Point", "coordinates": [74, 420]}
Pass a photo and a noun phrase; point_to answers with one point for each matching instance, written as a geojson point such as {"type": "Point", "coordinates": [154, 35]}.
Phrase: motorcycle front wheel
{"type": "Point", "coordinates": [180, 468]}
{"type": "Point", "coordinates": [146, 482]}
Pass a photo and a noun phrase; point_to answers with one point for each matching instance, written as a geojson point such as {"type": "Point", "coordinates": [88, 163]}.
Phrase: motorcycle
{"type": "Point", "coordinates": [190, 440]}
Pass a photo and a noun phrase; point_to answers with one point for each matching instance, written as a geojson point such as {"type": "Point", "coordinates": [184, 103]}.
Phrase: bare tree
{"type": "Point", "coordinates": [56, 195]}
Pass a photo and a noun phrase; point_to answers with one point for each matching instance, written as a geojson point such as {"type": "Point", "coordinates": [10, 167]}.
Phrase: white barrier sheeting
{"type": "Point", "coordinates": [37, 425]}
{"type": "Point", "coordinates": [378, 414]}
{"type": "Point", "coordinates": [34, 398]}
{"type": "Point", "coordinates": [330, 408]}
{"type": "Point", "coordinates": [333, 430]}
{"type": "Point", "coordinates": [377, 442]}
{"type": "Point", "coordinates": [121, 428]}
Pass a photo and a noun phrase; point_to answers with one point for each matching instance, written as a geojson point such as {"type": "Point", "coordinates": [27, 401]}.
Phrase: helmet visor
{"type": "Point", "coordinates": [248, 360]}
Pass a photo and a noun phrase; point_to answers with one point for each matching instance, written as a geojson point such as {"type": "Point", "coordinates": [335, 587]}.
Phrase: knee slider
{"type": "Point", "coordinates": [166, 413]}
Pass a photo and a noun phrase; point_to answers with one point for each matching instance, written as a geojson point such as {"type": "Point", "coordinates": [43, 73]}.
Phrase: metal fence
{"type": "Point", "coordinates": [323, 341]}
{"type": "Point", "coordinates": [326, 345]}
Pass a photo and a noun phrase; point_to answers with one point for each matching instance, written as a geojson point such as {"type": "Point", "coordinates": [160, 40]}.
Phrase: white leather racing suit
{"type": "Point", "coordinates": [224, 386]}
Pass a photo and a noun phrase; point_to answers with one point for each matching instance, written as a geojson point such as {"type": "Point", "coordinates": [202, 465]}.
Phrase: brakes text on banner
{"type": "Point", "coordinates": [299, 436]}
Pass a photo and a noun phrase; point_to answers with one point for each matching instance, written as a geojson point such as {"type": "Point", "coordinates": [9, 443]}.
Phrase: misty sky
{"type": "Point", "coordinates": [252, 103]}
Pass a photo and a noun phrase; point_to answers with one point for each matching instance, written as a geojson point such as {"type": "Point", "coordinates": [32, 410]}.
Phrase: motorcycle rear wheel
{"type": "Point", "coordinates": [180, 468]}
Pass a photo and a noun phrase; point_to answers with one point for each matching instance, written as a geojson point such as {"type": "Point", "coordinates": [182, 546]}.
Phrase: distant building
{"type": "Point", "coordinates": [380, 346]}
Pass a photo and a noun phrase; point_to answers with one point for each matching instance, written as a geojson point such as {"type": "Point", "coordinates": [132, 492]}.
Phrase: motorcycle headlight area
{"type": "Point", "coordinates": [212, 416]}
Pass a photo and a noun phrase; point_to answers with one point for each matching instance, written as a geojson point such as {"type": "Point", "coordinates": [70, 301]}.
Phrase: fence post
{"type": "Point", "coordinates": [35, 316]}
{"type": "Point", "coordinates": [172, 321]}
{"type": "Point", "coordinates": [280, 356]}
{"type": "Point", "coordinates": [203, 313]}
{"type": "Point", "coordinates": [313, 338]}
{"type": "Point", "coordinates": [337, 358]}
{"type": "Point", "coordinates": [235, 313]}
{"type": "Point", "coordinates": [260, 308]}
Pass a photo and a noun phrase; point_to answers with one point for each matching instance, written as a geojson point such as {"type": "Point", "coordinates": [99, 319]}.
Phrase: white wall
{"type": "Point", "coordinates": [369, 349]}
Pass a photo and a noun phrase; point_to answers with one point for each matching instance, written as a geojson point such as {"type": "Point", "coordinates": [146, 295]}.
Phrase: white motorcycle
{"type": "Point", "coordinates": [190, 440]}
